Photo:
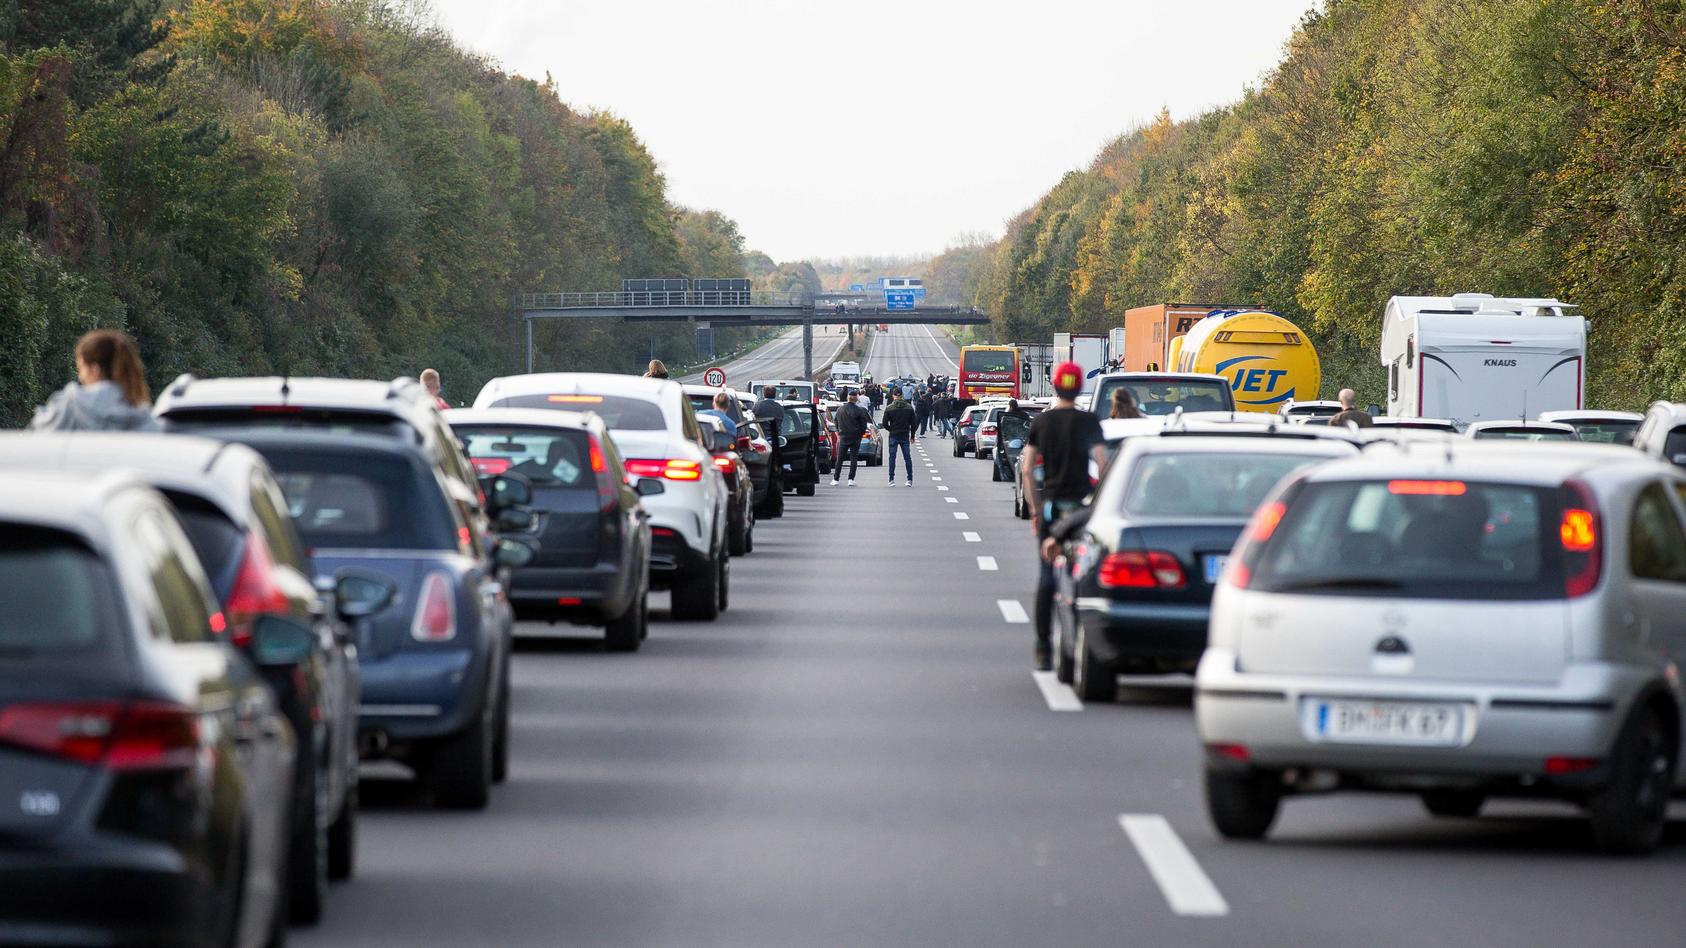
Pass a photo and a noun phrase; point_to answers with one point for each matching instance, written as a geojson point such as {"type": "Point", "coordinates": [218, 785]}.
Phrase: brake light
{"type": "Point", "coordinates": [1581, 538]}
{"type": "Point", "coordinates": [1428, 488]}
{"type": "Point", "coordinates": [595, 450]}
{"type": "Point", "coordinates": [1141, 569]}
{"type": "Point", "coordinates": [987, 430]}
{"type": "Point", "coordinates": [1266, 521]}
{"type": "Point", "coordinates": [256, 592]}
{"type": "Point", "coordinates": [744, 443]}
{"type": "Point", "coordinates": [674, 469]}
{"type": "Point", "coordinates": [1559, 766]}
{"type": "Point", "coordinates": [489, 466]}
{"type": "Point", "coordinates": [725, 464]}
{"type": "Point", "coordinates": [141, 735]}
{"type": "Point", "coordinates": [662, 532]}
{"type": "Point", "coordinates": [760, 447]}
{"type": "Point", "coordinates": [1235, 752]}
{"type": "Point", "coordinates": [575, 399]}
{"type": "Point", "coordinates": [436, 610]}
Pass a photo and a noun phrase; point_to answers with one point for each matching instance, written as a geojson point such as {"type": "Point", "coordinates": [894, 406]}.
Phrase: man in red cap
{"type": "Point", "coordinates": [1063, 439]}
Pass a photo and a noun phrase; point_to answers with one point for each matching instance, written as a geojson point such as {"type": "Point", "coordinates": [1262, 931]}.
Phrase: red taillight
{"type": "Point", "coordinates": [987, 430]}
{"type": "Point", "coordinates": [1582, 540]}
{"type": "Point", "coordinates": [1235, 752]}
{"type": "Point", "coordinates": [567, 601]}
{"type": "Point", "coordinates": [489, 467]}
{"type": "Point", "coordinates": [1265, 522]}
{"type": "Point", "coordinates": [1559, 766]}
{"type": "Point", "coordinates": [674, 469]}
{"type": "Point", "coordinates": [255, 593]}
{"type": "Point", "coordinates": [726, 464]}
{"type": "Point", "coordinates": [1141, 569]}
{"type": "Point", "coordinates": [598, 464]}
{"type": "Point", "coordinates": [662, 532]}
{"type": "Point", "coordinates": [1428, 488]}
{"type": "Point", "coordinates": [436, 611]}
{"type": "Point", "coordinates": [760, 447]}
{"type": "Point", "coordinates": [743, 443]}
{"type": "Point", "coordinates": [143, 734]}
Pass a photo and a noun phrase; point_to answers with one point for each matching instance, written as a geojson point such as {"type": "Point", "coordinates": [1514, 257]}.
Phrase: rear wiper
{"type": "Point", "coordinates": [1342, 582]}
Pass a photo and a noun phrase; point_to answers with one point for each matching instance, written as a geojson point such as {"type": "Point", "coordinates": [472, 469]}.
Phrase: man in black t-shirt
{"type": "Point", "coordinates": [1063, 439]}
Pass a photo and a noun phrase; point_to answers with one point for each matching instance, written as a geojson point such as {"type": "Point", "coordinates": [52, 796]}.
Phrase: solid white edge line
{"type": "Point", "coordinates": [1059, 697]}
{"type": "Point", "coordinates": [987, 563]}
{"type": "Point", "coordinates": [971, 537]}
{"type": "Point", "coordinates": [1184, 884]}
{"type": "Point", "coordinates": [1012, 611]}
{"type": "Point", "coordinates": [961, 515]}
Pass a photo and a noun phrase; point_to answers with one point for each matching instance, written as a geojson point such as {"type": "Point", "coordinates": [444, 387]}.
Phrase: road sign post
{"type": "Point", "coordinates": [715, 377]}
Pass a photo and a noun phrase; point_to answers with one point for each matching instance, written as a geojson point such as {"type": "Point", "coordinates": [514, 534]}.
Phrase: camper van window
{"type": "Point", "coordinates": [1410, 351]}
{"type": "Point", "coordinates": [1393, 379]}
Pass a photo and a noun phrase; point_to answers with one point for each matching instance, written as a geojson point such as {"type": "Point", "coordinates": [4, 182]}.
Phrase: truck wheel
{"type": "Point", "coordinates": [1242, 804]}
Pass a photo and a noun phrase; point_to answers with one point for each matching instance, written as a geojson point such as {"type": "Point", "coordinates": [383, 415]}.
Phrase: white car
{"type": "Point", "coordinates": [1304, 411]}
{"type": "Point", "coordinates": [656, 431]}
{"type": "Point", "coordinates": [1599, 427]}
{"type": "Point", "coordinates": [1520, 430]}
{"type": "Point", "coordinates": [787, 390]}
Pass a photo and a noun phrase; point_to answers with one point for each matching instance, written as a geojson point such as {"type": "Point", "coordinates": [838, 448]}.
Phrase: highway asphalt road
{"type": "Point", "coordinates": [781, 357]}
{"type": "Point", "coordinates": [859, 754]}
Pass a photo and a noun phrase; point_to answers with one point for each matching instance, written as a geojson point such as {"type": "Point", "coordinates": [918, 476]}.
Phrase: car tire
{"type": "Point", "coordinates": [461, 770]}
{"type": "Point", "coordinates": [1630, 812]}
{"type": "Point", "coordinates": [1065, 664]}
{"type": "Point", "coordinates": [342, 838]}
{"type": "Point", "coordinates": [500, 734]}
{"type": "Point", "coordinates": [995, 473]}
{"type": "Point", "coordinates": [739, 541]}
{"type": "Point", "coordinates": [626, 632]}
{"type": "Point", "coordinates": [804, 490]}
{"type": "Point", "coordinates": [1092, 679]}
{"type": "Point", "coordinates": [697, 598]}
{"type": "Point", "coordinates": [749, 539]}
{"type": "Point", "coordinates": [307, 848]}
{"type": "Point", "coordinates": [956, 449]}
{"type": "Point", "coordinates": [1242, 804]}
{"type": "Point", "coordinates": [1454, 804]}
{"type": "Point", "coordinates": [725, 584]}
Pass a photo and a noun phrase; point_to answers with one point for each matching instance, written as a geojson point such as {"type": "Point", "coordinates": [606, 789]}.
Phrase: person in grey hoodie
{"type": "Point", "coordinates": [109, 393]}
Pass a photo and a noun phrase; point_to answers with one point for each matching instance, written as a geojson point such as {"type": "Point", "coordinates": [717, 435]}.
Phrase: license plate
{"type": "Point", "coordinates": [1215, 568]}
{"type": "Point", "coordinates": [1386, 722]}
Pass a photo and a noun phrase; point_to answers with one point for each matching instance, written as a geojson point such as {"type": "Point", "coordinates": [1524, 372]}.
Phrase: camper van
{"type": "Point", "coordinates": [1474, 357]}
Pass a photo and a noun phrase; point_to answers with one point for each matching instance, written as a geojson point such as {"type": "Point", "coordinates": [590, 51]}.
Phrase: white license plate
{"type": "Point", "coordinates": [1387, 722]}
{"type": "Point", "coordinates": [1215, 568]}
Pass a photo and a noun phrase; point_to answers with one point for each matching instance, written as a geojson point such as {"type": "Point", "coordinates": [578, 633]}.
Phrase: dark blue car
{"type": "Point", "coordinates": [435, 663]}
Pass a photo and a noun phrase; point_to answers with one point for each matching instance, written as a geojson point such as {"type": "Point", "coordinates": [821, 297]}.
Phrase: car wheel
{"type": "Point", "coordinates": [739, 542]}
{"type": "Point", "coordinates": [1630, 811]}
{"type": "Point", "coordinates": [626, 632]}
{"type": "Point", "coordinates": [342, 837]}
{"type": "Point", "coordinates": [956, 449]}
{"type": "Point", "coordinates": [697, 598]}
{"type": "Point", "coordinates": [749, 539]}
{"type": "Point", "coordinates": [804, 490]}
{"type": "Point", "coordinates": [1093, 680]}
{"type": "Point", "coordinates": [500, 740]}
{"type": "Point", "coordinates": [995, 473]}
{"type": "Point", "coordinates": [1455, 804]}
{"type": "Point", "coordinates": [1242, 804]}
{"type": "Point", "coordinates": [461, 769]}
{"type": "Point", "coordinates": [307, 851]}
{"type": "Point", "coordinates": [725, 584]}
{"type": "Point", "coordinates": [1064, 662]}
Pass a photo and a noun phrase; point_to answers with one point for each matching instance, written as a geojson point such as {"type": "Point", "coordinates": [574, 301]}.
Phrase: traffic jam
{"type": "Point", "coordinates": [211, 629]}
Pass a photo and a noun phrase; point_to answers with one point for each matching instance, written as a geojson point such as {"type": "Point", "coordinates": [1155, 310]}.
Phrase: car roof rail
{"type": "Point", "coordinates": [178, 387]}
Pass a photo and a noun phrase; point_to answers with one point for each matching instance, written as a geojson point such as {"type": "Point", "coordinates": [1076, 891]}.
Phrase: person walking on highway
{"type": "Point", "coordinates": [852, 422]}
{"type": "Point", "coordinates": [657, 370]}
{"type": "Point", "coordinates": [922, 412]}
{"type": "Point", "coordinates": [1124, 404]}
{"type": "Point", "coordinates": [770, 411]}
{"type": "Point", "coordinates": [430, 381]}
{"type": "Point", "coordinates": [109, 393]}
{"type": "Point", "coordinates": [1063, 440]}
{"type": "Point", "coordinates": [1350, 413]}
{"type": "Point", "coordinates": [898, 424]}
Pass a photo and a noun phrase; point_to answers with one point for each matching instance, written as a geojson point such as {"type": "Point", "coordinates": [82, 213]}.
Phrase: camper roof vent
{"type": "Point", "coordinates": [1472, 302]}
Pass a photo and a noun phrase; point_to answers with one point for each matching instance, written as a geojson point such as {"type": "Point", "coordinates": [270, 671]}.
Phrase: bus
{"type": "Point", "coordinates": [987, 371]}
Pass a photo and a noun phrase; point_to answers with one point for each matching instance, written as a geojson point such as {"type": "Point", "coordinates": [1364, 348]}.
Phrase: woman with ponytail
{"type": "Point", "coordinates": [109, 393]}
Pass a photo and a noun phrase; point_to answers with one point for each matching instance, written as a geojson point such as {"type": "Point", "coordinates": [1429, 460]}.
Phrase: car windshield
{"type": "Point", "coordinates": [988, 360]}
{"type": "Point", "coordinates": [1424, 538]}
{"type": "Point", "coordinates": [1606, 432]}
{"type": "Point", "coordinates": [1165, 396]}
{"type": "Point", "coordinates": [50, 592]}
{"type": "Point", "coordinates": [1206, 484]}
{"type": "Point", "coordinates": [359, 501]}
{"type": "Point", "coordinates": [619, 412]}
{"type": "Point", "coordinates": [547, 457]}
{"type": "Point", "coordinates": [1524, 434]}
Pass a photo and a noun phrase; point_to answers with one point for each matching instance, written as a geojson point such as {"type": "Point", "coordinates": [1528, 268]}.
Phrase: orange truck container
{"type": "Point", "coordinates": [1148, 331]}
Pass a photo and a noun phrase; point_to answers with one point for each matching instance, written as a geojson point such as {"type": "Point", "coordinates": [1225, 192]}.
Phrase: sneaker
{"type": "Point", "coordinates": [892, 482]}
{"type": "Point", "coordinates": [1044, 657]}
{"type": "Point", "coordinates": [910, 482]}
{"type": "Point", "coordinates": [834, 482]}
{"type": "Point", "coordinates": [851, 482]}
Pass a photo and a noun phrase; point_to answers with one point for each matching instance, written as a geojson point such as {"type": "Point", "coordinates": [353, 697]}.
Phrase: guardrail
{"type": "Point", "coordinates": [637, 298]}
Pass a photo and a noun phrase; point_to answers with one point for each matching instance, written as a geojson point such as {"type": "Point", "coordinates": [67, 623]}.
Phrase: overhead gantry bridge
{"type": "Point", "coordinates": [706, 309]}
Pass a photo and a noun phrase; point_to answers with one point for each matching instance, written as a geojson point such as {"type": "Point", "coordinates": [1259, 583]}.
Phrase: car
{"type": "Point", "coordinates": [825, 447]}
{"type": "Point", "coordinates": [983, 442]}
{"type": "Point", "coordinates": [1520, 430]}
{"type": "Point", "coordinates": [1662, 434]}
{"type": "Point", "coordinates": [435, 662]}
{"type": "Point", "coordinates": [788, 390]}
{"type": "Point", "coordinates": [593, 533]}
{"type": "Point", "coordinates": [800, 449]}
{"type": "Point", "coordinates": [235, 518]}
{"type": "Point", "coordinates": [1165, 393]}
{"type": "Point", "coordinates": [1414, 424]}
{"type": "Point", "coordinates": [654, 427]}
{"type": "Point", "coordinates": [753, 448]}
{"type": "Point", "coordinates": [1459, 621]}
{"type": "Point", "coordinates": [966, 430]}
{"type": "Point", "coordinates": [1011, 434]}
{"type": "Point", "coordinates": [147, 764]}
{"type": "Point", "coordinates": [1599, 427]}
{"type": "Point", "coordinates": [1137, 588]}
{"type": "Point", "coordinates": [1308, 410]}
{"type": "Point", "coordinates": [740, 529]}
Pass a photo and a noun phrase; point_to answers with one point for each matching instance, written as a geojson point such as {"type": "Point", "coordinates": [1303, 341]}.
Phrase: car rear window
{"type": "Point", "coordinates": [797, 421]}
{"type": "Point", "coordinates": [548, 457]}
{"type": "Point", "coordinates": [361, 501]}
{"type": "Point", "coordinates": [1606, 432]}
{"type": "Point", "coordinates": [287, 416]}
{"type": "Point", "coordinates": [1416, 538]}
{"type": "Point", "coordinates": [706, 402]}
{"type": "Point", "coordinates": [1165, 396]}
{"type": "Point", "coordinates": [53, 593]}
{"type": "Point", "coordinates": [1206, 484]}
{"type": "Point", "coordinates": [619, 412]}
{"type": "Point", "coordinates": [1523, 434]}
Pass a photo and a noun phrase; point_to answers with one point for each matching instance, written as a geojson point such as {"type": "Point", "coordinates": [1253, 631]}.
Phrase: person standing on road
{"type": "Point", "coordinates": [723, 410]}
{"type": "Point", "coordinates": [430, 381]}
{"type": "Point", "coordinates": [769, 410]}
{"type": "Point", "coordinates": [1350, 413]}
{"type": "Point", "coordinates": [852, 422]}
{"type": "Point", "coordinates": [657, 370]}
{"type": "Point", "coordinates": [109, 393]}
{"type": "Point", "coordinates": [922, 412]}
{"type": "Point", "coordinates": [898, 424]}
{"type": "Point", "coordinates": [1063, 440]}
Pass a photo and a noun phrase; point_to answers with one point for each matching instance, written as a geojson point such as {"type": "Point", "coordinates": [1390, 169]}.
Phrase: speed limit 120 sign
{"type": "Point", "coordinates": [714, 377]}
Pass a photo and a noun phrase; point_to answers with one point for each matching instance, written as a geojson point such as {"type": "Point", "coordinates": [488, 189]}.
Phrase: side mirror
{"type": "Point", "coordinates": [649, 487]}
{"type": "Point", "coordinates": [514, 520]}
{"type": "Point", "coordinates": [515, 552]}
{"type": "Point", "coordinates": [279, 642]}
{"type": "Point", "coordinates": [782, 441]}
{"type": "Point", "coordinates": [359, 594]}
{"type": "Point", "coordinates": [506, 490]}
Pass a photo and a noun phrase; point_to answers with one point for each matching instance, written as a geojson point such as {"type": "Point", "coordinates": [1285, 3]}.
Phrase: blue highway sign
{"type": "Point", "coordinates": [895, 300]}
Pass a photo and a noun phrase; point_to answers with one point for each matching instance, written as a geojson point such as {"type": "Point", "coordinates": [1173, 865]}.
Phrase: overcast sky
{"type": "Point", "coordinates": [878, 126]}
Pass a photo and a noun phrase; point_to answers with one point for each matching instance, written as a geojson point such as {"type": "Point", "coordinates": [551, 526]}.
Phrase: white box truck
{"type": "Point", "coordinates": [1476, 357]}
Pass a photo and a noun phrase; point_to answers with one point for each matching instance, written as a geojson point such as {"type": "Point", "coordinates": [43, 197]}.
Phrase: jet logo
{"type": "Point", "coordinates": [1500, 363]}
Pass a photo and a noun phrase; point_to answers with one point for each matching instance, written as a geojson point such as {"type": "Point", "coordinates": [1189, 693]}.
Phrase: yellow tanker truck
{"type": "Point", "coordinates": [1266, 358]}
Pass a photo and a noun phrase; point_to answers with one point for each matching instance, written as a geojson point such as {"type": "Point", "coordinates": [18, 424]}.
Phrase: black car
{"type": "Point", "coordinates": [800, 452]}
{"type": "Point", "coordinates": [235, 517]}
{"type": "Point", "coordinates": [740, 517]}
{"type": "Point", "coordinates": [147, 765]}
{"type": "Point", "coordinates": [966, 431]}
{"type": "Point", "coordinates": [593, 562]}
{"type": "Point", "coordinates": [1137, 590]}
{"type": "Point", "coordinates": [1012, 432]}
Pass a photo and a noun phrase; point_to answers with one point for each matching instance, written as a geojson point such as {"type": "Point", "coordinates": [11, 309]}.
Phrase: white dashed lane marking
{"type": "Point", "coordinates": [987, 563]}
{"type": "Point", "coordinates": [952, 500]}
{"type": "Point", "coordinates": [961, 515]}
{"type": "Point", "coordinates": [971, 537]}
{"type": "Point", "coordinates": [1184, 884]}
{"type": "Point", "coordinates": [1012, 611]}
{"type": "Point", "coordinates": [1059, 697]}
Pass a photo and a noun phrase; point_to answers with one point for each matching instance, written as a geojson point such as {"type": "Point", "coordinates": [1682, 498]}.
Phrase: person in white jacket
{"type": "Point", "coordinates": [109, 393]}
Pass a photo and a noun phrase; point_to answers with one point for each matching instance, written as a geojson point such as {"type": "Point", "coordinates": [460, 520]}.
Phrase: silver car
{"type": "Point", "coordinates": [1461, 620]}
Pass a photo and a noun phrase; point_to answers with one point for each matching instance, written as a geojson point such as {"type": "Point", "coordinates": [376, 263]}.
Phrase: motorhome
{"type": "Point", "coordinates": [1474, 357]}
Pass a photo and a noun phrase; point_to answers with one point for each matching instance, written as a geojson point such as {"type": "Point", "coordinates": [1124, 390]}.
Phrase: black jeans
{"type": "Point", "coordinates": [848, 447]}
{"type": "Point", "coordinates": [1052, 510]}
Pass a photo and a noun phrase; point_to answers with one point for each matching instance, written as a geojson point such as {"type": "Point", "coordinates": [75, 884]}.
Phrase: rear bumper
{"type": "Point", "coordinates": [105, 890]}
{"type": "Point", "coordinates": [1131, 631]}
{"type": "Point", "coordinates": [673, 561]}
{"type": "Point", "coordinates": [585, 594]}
{"type": "Point", "coordinates": [422, 694]}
